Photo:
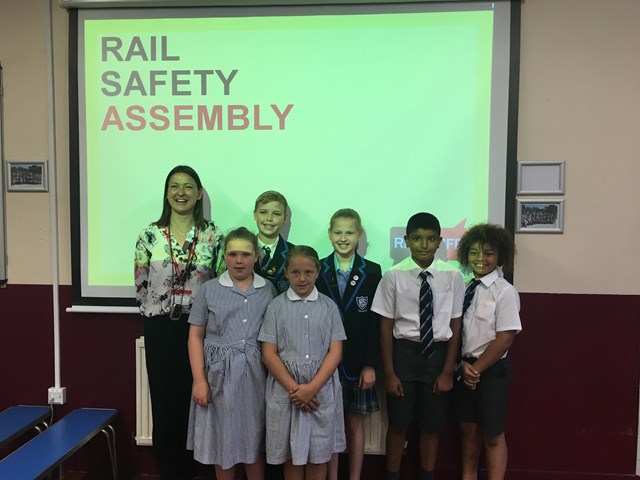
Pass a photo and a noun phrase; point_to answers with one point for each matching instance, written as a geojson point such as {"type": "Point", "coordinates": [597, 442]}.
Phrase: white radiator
{"type": "Point", "coordinates": [144, 421]}
{"type": "Point", "coordinates": [375, 425]}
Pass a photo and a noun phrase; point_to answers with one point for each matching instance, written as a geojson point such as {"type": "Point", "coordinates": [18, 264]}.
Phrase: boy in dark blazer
{"type": "Point", "coordinates": [270, 214]}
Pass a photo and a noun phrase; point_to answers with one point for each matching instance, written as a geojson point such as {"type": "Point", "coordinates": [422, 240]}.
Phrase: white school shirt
{"type": "Point", "coordinates": [398, 297]}
{"type": "Point", "coordinates": [495, 308]}
{"type": "Point", "coordinates": [272, 247]}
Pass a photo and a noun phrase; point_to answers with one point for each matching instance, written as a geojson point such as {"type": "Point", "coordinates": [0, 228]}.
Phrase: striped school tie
{"type": "Point", "coordinates": [466, 303]}
{"type": "Point", "coordinates": [426, 317]}
{"type": "Point", "coordinates": [266, 252]}
{"type": "Point", "coordinates": [468, 294]}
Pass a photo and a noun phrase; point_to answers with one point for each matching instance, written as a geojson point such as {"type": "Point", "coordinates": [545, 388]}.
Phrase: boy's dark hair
{"type": "Point", "coordinates": [487, 234]}
{"type": "Point", "coordinates": [271, 196]}
{"type": "Point", "coordinates": [198, 210]}
{"type": "Point", "coordinates": [423, 220]}
{"type": "Point", "coordinates": [242, 233]}
{"type": "Point", "coordinates": [305, 251]}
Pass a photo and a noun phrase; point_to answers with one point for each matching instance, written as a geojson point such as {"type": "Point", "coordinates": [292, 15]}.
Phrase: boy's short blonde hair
{"type": "Point", "coordinates": [271, 196]}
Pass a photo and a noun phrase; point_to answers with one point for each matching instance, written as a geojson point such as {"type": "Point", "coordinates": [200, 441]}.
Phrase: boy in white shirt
{"type": "Point", "coordinates": [491, 321]}
{"type": "Point", "coordinates": [420, 321]}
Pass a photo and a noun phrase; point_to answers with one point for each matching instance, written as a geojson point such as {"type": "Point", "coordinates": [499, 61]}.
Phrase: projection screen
{"type": "Point", "coordinates": [388, 109]}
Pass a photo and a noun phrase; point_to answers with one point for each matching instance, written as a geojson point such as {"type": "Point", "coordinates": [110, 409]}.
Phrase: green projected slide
{"type": "Point", "coordinates": [386, 113]}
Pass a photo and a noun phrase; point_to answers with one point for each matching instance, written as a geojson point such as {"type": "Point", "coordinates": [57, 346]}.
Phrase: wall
{"type": "Point", "coordinates": [579, 102]}
{"type": "Point", "coordinates": [568, 414]}
{"type": "Point", "coordinates": [23, 30]}
{"type": "Point", "coordinates": [575, 395]}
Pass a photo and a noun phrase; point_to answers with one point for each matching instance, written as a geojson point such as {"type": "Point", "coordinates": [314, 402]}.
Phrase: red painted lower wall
{"type": "Point", "coordinates": [573, 411]}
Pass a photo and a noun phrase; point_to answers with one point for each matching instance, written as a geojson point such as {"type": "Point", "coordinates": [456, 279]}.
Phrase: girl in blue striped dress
{"type": "Point", "coordinates": [227, 424]}
{"type": "Point", "coordinates": [302, 336]}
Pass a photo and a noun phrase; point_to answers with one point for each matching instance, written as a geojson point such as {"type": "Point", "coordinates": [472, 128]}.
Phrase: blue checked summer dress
{"type": "Point", "coordinates": [303, 331]}
{"type": "Point", "coordinates": [230, 429]}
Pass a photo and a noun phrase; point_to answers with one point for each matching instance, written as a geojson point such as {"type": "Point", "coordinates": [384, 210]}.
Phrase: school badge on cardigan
{"type": "Point", "coordinates": [283, 285]}
{"type": "Point", "coordinates": [362, 303]}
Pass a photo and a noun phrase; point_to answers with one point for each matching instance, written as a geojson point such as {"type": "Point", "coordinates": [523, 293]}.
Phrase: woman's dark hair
{"type": "Point", "coordinates": [198, 210]}
{"type": "Point", "coordinates": [488, 234]}
{"type": "Point", "coordinates": [302, 250]}
{"type": "Point", "coordinates": [242, 233]}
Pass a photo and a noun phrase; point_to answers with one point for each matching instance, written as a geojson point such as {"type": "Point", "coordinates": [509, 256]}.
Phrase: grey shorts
{"type": "Point", "coordinates": [417, 374]}
{"type": "Point", "coordinates": [487, 404]}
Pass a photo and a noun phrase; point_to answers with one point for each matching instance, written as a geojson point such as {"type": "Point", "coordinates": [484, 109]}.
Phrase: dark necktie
{"type": "Point", "coordinates": [266, 251]}
{"type": "Point", "coordinates": [427, 346]}
{"type": "Point", "coordinates": [468, 297]}
{"type": "Point", "coordinates": [468, 294]}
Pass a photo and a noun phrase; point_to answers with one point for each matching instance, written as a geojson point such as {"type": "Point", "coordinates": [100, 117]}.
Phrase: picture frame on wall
{"type": "Point", "coordinates": [540, 216]}
{"type": "Point", "coordinates": [541, 178]}
{"type": "Point", "coordinates": [27, 176]}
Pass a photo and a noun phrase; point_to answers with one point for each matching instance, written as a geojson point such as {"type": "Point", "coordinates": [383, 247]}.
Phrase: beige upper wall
{"type": "Point", "coordinates": [23, 54]}
{"type": "Point", "coordinates": [579, 102]}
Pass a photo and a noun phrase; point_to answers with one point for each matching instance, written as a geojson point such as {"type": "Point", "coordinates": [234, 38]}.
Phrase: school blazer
{"type": "Point", "coordinates": [362, 326]}
{"type": "Point", "coordinates": [274, 270]}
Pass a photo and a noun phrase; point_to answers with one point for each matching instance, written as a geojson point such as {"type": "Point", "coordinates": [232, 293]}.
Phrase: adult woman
{"type": "Point", "coordinates": [173, 257]}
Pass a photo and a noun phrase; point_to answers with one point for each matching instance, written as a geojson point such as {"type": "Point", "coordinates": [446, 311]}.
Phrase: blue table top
{"type": "Point", "coordinates": [45, 452]}
{"type": "Point", "coordinates": [14, 421]}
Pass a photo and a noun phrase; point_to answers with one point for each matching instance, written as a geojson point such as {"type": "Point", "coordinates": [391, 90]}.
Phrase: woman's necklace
{"type": "Point", "coordinates": [183, 232]}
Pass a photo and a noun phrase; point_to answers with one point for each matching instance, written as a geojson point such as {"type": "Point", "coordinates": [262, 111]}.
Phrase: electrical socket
{"type": "Point", "coordinates": [57, 396]}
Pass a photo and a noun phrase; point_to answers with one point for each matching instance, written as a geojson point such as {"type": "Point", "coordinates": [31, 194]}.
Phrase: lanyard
{"type": "Point", "coordinates": [182, 277]}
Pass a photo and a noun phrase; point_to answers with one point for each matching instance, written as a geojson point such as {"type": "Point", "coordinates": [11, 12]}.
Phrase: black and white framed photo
{"type": "Point", "coordinates": [27, 176]}
{"type": "Point", "coordinates": [540, 216]}
{"type": "Point", "coordinates": [541, 178]}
